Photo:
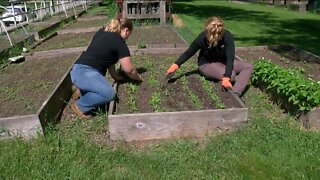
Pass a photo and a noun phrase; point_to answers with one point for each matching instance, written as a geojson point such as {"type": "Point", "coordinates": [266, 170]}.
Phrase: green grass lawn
{"type": "Point", "coordinates": [254, 24]}
{"type": "Point", "coordinates": [272, 146]}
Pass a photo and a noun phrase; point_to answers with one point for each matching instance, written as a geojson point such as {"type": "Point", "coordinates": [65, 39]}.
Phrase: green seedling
{"type": "Point", "coordinates": [153, 82]}
{"type": "Point", "coordinates": [133, 88]}
{"type": "Point", "coordinates": [142, 45]}
{"type": "Point", "coordinates": [213, 95]}
{"type": "Point", "coordinates": [155, 101]}
{"type": "Point", "coordinates": [192, 97]}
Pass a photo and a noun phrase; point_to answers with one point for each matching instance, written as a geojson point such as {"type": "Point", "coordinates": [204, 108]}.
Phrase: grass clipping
{"type": "Point", "coordinates": [177, 21]}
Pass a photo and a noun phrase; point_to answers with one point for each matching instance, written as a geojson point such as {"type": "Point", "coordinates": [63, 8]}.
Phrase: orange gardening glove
{"type": "Point", "coordinates": [226, 83]}
{"type": "Point", "coordinates": [172, 69]}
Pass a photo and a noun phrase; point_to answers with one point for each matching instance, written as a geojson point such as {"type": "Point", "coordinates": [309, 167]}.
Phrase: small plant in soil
{"type": "Point", "coordinates": [208, 87]}
{"type": "Point", "coordinates": [184, 92]}
{"type": "Point", "coordinates": [62, 45]}
{"type": "Point", "coordinates": [42, 85]}
{"type": "Point", "coordinates": [142, 45]}
{"type": "Point", "coordinates": [30, 108]}
{"type": "Point", "coordinates": [132, 103]}
{"type": "Point", "coordinates": [155, 101]}
{"type": "Point", "coordinates": [10, 93]}
{"type": "Point", "coordinates": [153, 82]}
{"type": "Point", "coordinates": [147, 63]}
{"type": "Point", "coordinates": [193, 98]}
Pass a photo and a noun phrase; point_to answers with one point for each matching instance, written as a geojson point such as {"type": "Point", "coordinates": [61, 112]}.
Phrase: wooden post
{"type": "Point", "coordinates": [125, 9]}
{"type": "Point", "coordinates": [162, 12]}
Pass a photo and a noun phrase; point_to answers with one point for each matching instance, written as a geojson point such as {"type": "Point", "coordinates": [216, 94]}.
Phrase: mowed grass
{"type": "Point", "coordinates": [272, 146]}
{"type": "Point", "coordinates": [253, 24]}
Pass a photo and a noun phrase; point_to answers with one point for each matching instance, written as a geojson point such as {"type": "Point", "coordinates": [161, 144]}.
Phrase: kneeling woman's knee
{"type": "Point", "coordinates": [250, 67]}
{"type": "Point", "coordinates": [109, 95]}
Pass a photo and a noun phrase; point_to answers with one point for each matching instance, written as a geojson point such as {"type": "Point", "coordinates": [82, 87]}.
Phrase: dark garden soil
{"type": "Point", "coordinates": [154, 35]}
{"type": "Point", "coordinates": [173, 95]}
{"type": "Point", "coordinates": [87, 24]}
{"type": "Point", "coordinates": [65, 41]}
{"type": "Point", "coordinates": [26, 85]}
{"type": "Point", "coordinates": [283, 59]}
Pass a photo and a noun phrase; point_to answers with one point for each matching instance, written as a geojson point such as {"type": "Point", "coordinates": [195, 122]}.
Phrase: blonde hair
{"type": "Point", "coordinates": [115, 25]}
{"type": "Point", "coordinates": [214, 30]}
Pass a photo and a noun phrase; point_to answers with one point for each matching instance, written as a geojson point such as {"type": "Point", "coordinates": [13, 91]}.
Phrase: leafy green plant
{"type": "Point", "coordinates": [41, 85]}
{"type": "Point", "coordinates": [147, 63]}
{"type": "Point", "coordinates": [142, 45]}
{"type": "Point", "coordinates": [132, 91]}
{"type": "Point", "coordinates": [193, 98]}
{"type": "Point", "coordinates": [10, 93]}
{"type": "Point", "coordinates": [155, 101]}
{"type": "Point", "coordinates": [153, 82]}
{"type": "Point", "coordinates": [305, 93]}
{"type": "Point", "coordinates": [133, 88]}
{"type": "Point", "coordinates": [132, 104]}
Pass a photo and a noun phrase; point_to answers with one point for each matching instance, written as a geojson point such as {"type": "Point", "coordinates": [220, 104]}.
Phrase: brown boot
{"type": "Point", "coordinates": [80, 114]}
{"type": "Point", "coordinates": [76, 93]}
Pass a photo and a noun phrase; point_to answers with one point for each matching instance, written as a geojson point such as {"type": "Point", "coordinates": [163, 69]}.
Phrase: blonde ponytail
{"type": "Point", "coordinates": [116, 25]}
{"type": "Point", "coordinates": [214, 30]}
{"type": "Point", "coordinates": [113, 26]}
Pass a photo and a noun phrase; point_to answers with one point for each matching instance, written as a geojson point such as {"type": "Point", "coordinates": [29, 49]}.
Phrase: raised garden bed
{"type": "Point", "coordinates": [284, 56]}
{"type": "Point", "coordinates": [295, 61]}
{"type": "Point", "coordinates": [87, 23]}
{"type": "Point", "coordinates": [26, 90]}
{"type": "Point", "coordinates": [154, 35]}
{"type": "Point", "coordinates": [16, 38]}
{"type": "Point", "coordinates": [188, 105]}
{"type": "Point", "coordinates": [65, 41]}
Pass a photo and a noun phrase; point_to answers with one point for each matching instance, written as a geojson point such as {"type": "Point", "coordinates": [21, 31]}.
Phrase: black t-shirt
{"type": "Point", "coordinates": [105, 49]}
{"type": "Point", "coordinates": [224, 52]}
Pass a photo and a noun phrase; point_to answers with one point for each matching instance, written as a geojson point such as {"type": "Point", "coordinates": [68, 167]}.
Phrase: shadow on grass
{"type": "Point", "coordinates": [302, 33]}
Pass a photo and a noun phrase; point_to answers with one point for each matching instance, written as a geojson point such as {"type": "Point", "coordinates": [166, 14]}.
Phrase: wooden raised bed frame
{"type": "Point", "coordinates": [178, 124]}
{"type": "Point", "coordinates": [311, 119]}
{"type": "Point", "coordinates": [50, 111]}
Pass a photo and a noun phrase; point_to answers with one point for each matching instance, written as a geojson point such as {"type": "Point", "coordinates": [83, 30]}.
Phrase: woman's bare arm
{"type": "Point", "coordinates": [114, 74]}
{"type": "Point", "coordinates": [128, 67]}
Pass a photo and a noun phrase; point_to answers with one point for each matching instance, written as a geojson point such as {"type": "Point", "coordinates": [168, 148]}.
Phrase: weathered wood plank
{"type": "Point", "coordinates": [55, 53]}
{"type": "Point", "coordinates": [90, 18]}
{"type": "Point", "coordinates": [292, 51]}
{"type": "Point", "coordinates": [314, 118]}
{"type": "Point", "coordinates": [51, 110]}
{"type": "Point", "coordinates": [136, 51]}
{"type": "Point", "coordinates": [166, 125]}
{"type": "Point", "coordinates": [161, 46]}
{"type": "Point", "coordinates": [311, 119]}
{"type": "Point", "coordinates": [23, 126]}
{"type": "Point", "coordinates": [79, 30]}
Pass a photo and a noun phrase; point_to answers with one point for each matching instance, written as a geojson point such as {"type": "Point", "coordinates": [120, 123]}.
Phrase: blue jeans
{"type": "Point", "coordinates": [95, 89]}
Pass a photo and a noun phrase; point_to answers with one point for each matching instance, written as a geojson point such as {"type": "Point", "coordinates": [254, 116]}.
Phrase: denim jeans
{"type": "Point", "coordinates": [95, 89]}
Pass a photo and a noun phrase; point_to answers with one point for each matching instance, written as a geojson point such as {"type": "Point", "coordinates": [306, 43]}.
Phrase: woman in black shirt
{"type": "Point", "coordinates": [107, 47]}
{"type": "Point", "coordinates": [217, 57]}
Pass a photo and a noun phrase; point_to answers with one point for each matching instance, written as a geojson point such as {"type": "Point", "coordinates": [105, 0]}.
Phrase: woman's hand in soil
{"type": "Point", "coordinates": [172, 69]}
{"type": "Point", "coordinates": [226, 83]}
{"type": "Point", "coordinates": [129, 69]}
{"type": "Point", "coordinates": [119, 79]}
{"type": "Point", "coordinates": [140, 80]}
